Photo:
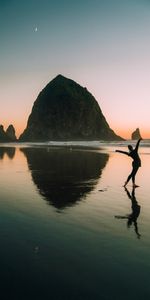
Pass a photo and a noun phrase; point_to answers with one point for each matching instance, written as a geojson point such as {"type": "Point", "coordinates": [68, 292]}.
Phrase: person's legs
{"type": "Point", "coordinates": [135, 169]}
{"type": "Point", "coordinates": [128, 179]}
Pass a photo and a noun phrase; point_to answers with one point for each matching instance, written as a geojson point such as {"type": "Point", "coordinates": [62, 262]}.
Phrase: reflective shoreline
{"type": "Point", "coordinates": [59, 235]}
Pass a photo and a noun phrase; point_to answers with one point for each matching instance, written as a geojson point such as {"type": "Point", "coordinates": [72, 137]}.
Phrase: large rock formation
{"type": "Point", "coordinates": [66, 111]}
{"type": "Point", "coordinates": [8, 136]}
{"type": "Point", "coordinates": [136, 134]}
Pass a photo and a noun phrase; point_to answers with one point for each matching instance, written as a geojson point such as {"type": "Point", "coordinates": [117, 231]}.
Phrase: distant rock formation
{"type": "Point", "coordinates": [3, 135]}
{"type": "Point", "coordinates": [9, 135]}
{"type": "Point", "coordinates": [136, 134]}
{"type": "Point", "coordinates": [66, 111]}
{"type": "Point", "coordinates": [10, 132]}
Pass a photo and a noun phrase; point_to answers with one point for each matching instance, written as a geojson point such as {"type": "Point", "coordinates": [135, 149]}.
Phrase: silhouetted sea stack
{"type": "Point", "coordinates": [8, 136]}
{"type": "Point", "coordinates": [3, 136]}
{"type": "Point", "coordinates": [136, 135]}
{"type": "Point", "coordinates": [66, 111]}
{"type": "Point", "coordinates": [10, 132]}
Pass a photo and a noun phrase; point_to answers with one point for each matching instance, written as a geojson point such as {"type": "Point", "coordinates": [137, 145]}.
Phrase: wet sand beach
{"type": "Point", "coordinates": [68, 228]}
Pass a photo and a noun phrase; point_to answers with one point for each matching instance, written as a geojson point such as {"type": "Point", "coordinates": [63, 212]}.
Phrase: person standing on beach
{"type": "Point", "coordinates": [133, 153]}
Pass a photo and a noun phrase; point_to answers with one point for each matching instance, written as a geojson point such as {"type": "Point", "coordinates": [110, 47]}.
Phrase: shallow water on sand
{"type": "Point", "coordinates": [68, 228]}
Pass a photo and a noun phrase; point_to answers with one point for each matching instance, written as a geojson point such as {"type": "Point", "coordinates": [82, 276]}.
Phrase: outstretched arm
{"type": "Point", "coordinates": [137, 145]}
{"type": "Point", "coordinates": [124, 152]}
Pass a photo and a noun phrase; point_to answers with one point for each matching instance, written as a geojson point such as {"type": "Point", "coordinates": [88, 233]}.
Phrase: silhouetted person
{"type": "Point", "coordinates": [132, 218]}
{"type": "Point", "coordinates": [133, 153]}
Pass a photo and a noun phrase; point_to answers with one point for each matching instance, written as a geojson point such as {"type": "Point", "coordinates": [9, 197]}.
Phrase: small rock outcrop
{"type": "Point", "coordinates": [8, 135]}
{"type": "Point", "coordinates": [136, 134]}
{"type": "Point", "coordinates": [3, 136]}
{"type": "Point", "coordinates": [10, 132]}
{"type": "Point", "coordinates": [66, 111]}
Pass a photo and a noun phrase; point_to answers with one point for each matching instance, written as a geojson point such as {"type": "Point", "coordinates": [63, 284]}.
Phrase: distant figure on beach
{"type": "Point", "coordinates": [132, 218]}
{"type": "Point", "coordinates": [133, 153]}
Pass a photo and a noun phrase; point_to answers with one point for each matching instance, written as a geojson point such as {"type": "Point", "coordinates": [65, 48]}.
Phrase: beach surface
{"type": "Point", "coordinates": [68, 227]}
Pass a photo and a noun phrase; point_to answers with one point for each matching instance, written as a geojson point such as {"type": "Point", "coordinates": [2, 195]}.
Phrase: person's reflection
{"type": "Point", "coordinates": [133, 216]}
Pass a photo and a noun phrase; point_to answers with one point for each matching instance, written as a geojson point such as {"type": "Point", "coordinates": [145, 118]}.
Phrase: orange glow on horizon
{"type": "Point", "coordinates": [124, 133]}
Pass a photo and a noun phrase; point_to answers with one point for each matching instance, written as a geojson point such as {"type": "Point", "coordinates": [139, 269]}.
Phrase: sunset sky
{"type": "Point", "coordinates": [103, 45]}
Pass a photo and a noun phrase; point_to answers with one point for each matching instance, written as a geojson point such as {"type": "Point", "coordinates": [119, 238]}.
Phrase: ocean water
{"type": "Point", "coordinates": [68, 228]}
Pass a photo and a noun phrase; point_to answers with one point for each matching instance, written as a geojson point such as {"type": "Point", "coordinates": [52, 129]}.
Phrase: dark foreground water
{"type": "Point", "coordinates": [68, 229]}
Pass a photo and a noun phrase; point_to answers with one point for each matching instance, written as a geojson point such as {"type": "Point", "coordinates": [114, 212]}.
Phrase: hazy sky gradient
{"type": "Point", "coordinates": [103, 45]}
